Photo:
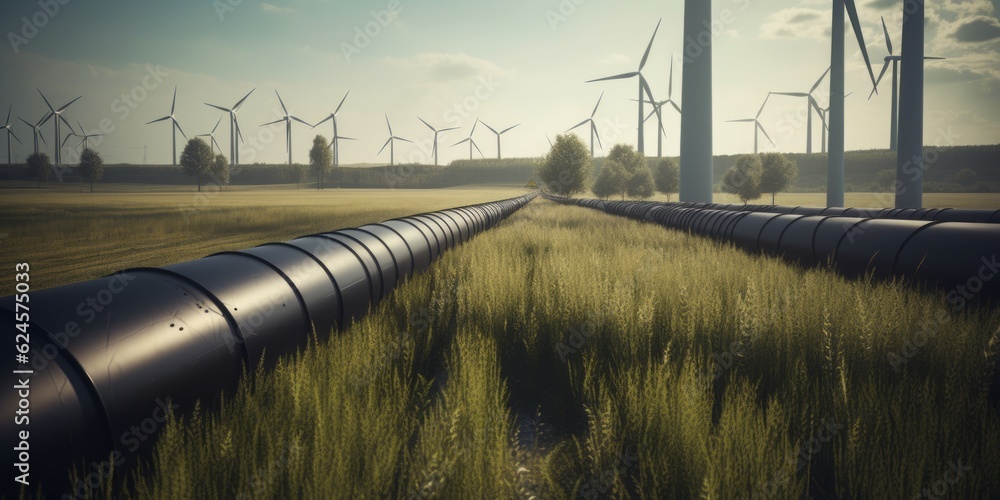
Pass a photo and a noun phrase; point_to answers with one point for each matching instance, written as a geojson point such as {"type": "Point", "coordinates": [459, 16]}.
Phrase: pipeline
{"type": "Point", "coordinates": [959, 258]}
{"type": "Point", "coordinates": [928, 214]}
{"type": "Point", "coordinates": [111, 355]}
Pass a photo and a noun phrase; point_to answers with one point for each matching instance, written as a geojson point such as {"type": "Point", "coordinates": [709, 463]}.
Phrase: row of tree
{"type": "Point", "coordinates": [91, 167]}
{"type": "Point", "coordinates": [625, 173]}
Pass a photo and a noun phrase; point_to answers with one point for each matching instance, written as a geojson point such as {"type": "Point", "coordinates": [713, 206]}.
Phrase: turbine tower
{"type": "Point", "coordinates": [288, 119]}
{"type": "Point", "coordinates": [391, 143]}
{"type": "Point", "coordinates": [471, 141]}
{"type": "Point", "coordinates": [36, 129]}
{"type": "Point", "coordinates": [910, 152]}
{"type": "Point", "coordinates": [436, 132]}
{"type": "Point", "coordinates": [335, 141]}
{"type": "Point", "coordinates": [757, 127]}
{"type": "Point", "coordinates": [211, 136]}
{"type": "Point", "coordinates": [593, 127]}
{"type": "Point", "coordinates": [174, 126]}
{"type": "Point", "coordinates": [811, 105]}
{"type": "Point", "coordinates": [894, 61]}
{"type": "Point", "coordinates": [499, 135]}
{"type": "Point", "coordinates": [58, 114]}
{"type": "Point", "coordinates": [643, 87]}
{"type": "Point", "coordinates": [696, 122]}
{"type": "Point", "coordinates": [234, 128]}
{"type": "Point", "coordinates": [835, 158]}
{"type": "Point", "coordinates": [10, 133]}
{"type": "Point", "coordinates": [658, 111]}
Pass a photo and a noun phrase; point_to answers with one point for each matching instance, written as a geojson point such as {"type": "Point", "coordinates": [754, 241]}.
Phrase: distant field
{"type": "Point", "coordinates": [71, 236]}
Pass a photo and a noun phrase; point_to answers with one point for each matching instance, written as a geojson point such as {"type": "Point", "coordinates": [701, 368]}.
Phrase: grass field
{"type": "Point", "coordinates": [571, 353]}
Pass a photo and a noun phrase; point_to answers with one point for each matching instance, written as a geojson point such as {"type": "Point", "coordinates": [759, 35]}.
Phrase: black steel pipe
{"type": "Point", "coordinates": [111, 355]}
{"type": "Point", "coordinates": [925, 246]}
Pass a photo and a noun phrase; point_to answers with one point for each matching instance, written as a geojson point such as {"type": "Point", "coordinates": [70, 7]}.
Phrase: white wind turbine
{"type": "Point", "coordinates": [174, 128]}
{"type": "Point", "coordinates": [757, 127]}
{"type": "Point", "coordinates": [391, 143]}
{"type": "Point", "coordinates": [234, 128]}
{"type": "Point", "coordinates": [10, 133]}
{"type": "Point", "coordinates": [593, 127]}
{"type": "Point", "coordinates": [211, 136]}
{"type": "Point", "coordinates": [335, 141]}
{"type": "Point", "coordinates": [499, 136]}
{"type": "Point", "coordinates": [436, 133]}
{"type": "Point", "coordinates": [58, 115]}
{"type": "Point", "coordinates": [288, 119]}
{"type": "Point", "coordinates": [471, 141]}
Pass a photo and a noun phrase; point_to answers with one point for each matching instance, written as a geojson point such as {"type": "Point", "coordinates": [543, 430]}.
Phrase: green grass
{"type": "Point", "coordinates": [570, 353]}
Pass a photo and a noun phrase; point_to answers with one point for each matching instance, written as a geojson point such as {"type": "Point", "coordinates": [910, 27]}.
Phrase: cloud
{"type": "Point", "coordinates": [443, 67]}
{"type": "Point", "coordinates": [797, 23]}
{"type": "Point", "coordinates": [274, 9]}
{"type": "Point", "coordinates": [982, 29]}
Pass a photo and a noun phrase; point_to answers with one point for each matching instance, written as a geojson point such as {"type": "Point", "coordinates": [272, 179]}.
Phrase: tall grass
{"type": "Point", "coordinates": [571, 353]}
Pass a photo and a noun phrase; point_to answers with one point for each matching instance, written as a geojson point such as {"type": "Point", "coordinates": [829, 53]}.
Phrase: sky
{"type": "Point", "coordinates": [450, 62]}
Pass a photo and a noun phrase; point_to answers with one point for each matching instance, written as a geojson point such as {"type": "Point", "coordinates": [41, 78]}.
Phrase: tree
{"type": "Point", "coordinates": [320, 159]}
{"type": "Point", "coordinates": [966, 177]}
{"type": "Point", "coordinates": [220, 170]}
{"type": "Point", "coordinates": [743, 178]}
{"type": "Point", "coordinates": [197, 159]}
{"type": "Point", "coordinates": [91, 166]}
{"type": "Point", "coordinates": [778, 173]}
{"type": "Point", "coordinates": [300, 172]}
{"type": "Point", "coordinates": [39, 167]}
{"type": "Point", "coordinates": [640, 184]}
{"type": "Point", "coordinates": [567, 166]}
{"type": "Point", "coordinates": [610, 181]}
{"type": "Point", "coordinates": [668, 177]}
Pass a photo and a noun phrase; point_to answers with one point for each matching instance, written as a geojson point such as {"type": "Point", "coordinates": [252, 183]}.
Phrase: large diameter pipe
{"type": "Point", "coordinates": [111, 356]}
{"type": "Point", "coordinates": [923, 247]}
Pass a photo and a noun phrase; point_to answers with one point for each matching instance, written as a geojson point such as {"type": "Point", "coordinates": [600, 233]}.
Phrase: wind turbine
{"type": "Point", "coordinates": [696, 122]}
{"type": "Point", "coordinates": [757, 127]}
{"type": "Point", "coordinates": [471, 141]}
{"type": "Point", "coordinates": [211, 136]}
{"type": "Point", "coordinates": [894, 60]}
{"type": "Point", "coordinates": [36, 130]}
{"type": "Point", "coordinates": [658, 111]}
{"type": "Point", "coordinates": [10, 133]}
{"type": "Point", "coordinates": [643, 87]}
{"type": "Point", "coordinates": [826, 128]}
{"type": "Point", "coordinates": [85, 136]}
{"type": "Point", "coordinates": [335, 142]}
{"type": "Point", "coordinates": [593, 127]}
{"type": "Point", "coordinates": [57, 113]}
{"type": "Point", "coordinates": [288, 119]}
{"type": "Point", "coordinates": [910, 146]}
{"type": "Point", "coordinates": [391, 143]}
{"type": "Point", "coordinates": [499, 135]}
{"type": "Point", "coordinates": [234, 128]}
{"type": "Point", "coordinates": [835, 158]}
{"type": "Point", "coordinates": [174, 125]}
{"type": "Point", "coordinates": [811, 105]}
{"type": "Point", "coordinates": [436, 132]}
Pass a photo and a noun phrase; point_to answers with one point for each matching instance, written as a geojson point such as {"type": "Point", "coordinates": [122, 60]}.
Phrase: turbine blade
{"type": "Point", "coordinates": [761, 127]}
{"type": "Point", "coordinates": [274, 122]}
{"type": "Point", "coordinates": [579, 124]}
{"type": "Point", "coordinates": [816, 85]}
{"type": "Point", "coordinates": [68, 137]}
{"type": "Point", "coordinates": [852, 12]}
{"type": "Point", "coordinates": [888, 41]}
{"type": "Point", "coordinates": [342, 102]}
{"type": "Point", "coordinates": [428, 124]}
{"type": "Point", "coordinates": [216, 125]}
{"type": "Point", "coordinates": [459, 143]}
{"type": "Point", "coordinates": [388, 124]}
{"type": "Point", "coordinates": [670, 87]}
{"type": "Point", "coordinates": [404, 140]}
{"type": "Point", "coordinates": [9, 109]}
{"type": "Point", "coordinates": [879, 80]}
{"type": "Point", "coordinates": [762, 106]}
{"type": "Point", "coordinates": [822, 117]}
{"type": "Point", "coordinates": [68, 124]}
{"type": "Point", "coordinates": [477, 149]}
{"type": "Point", "coordinates": [42, 137]}
{"type": "Point", "coordinates": [649, 47]}
{"type": "Point", "coordinates": [179, 129]}
{"type": "Point", "coordinates": [792, 94]}
{"type": "Point", "coordinates": [165, 118]}
{"type": "Point", "coordinates": [174, 104]}
{"type": "Point", "coordinates": [46, 100]}
{"type": "Point", "coordinates": [929, 58]}
{"type": "Point", "coordinates": [597, 135]}
{"type": "Point", "coordinates": [324, 121]}
{"type": "Point", "coordinates": [474, 125]}
{"type": "Point", "coordinates": [303, 122]}
{"type": "Point", "coordinates": [598, 105]}
{"type": "Point", "coordinates": [220, 108]}
{"type": "Point", "coordinates": [11, 132]}
{"type": "Point", "coordinates": [674, 104]}
{"type": "Point", "coordinates": [449, 129]}
{"type": "Point", "coordinates": [616, 77]}
{"type": "Point", "coordinates": [239, 132]}
{"type": "Point", "coordinates": [745, 120]}
{"type": "Point", "coordinates": [283, 108]}
{"type": "Point", "coordinates": [489, 127]}
{"type": "Point", "coordinates": [508, 129]}
{"type": "Point", "coordinates": [241, 101]}
{"type": "Point", "coordinates": [645, 86]}
{"type": "Point", "coordinates": [69, 104]}
{"type": "Point", "coordinates": [385, 145]}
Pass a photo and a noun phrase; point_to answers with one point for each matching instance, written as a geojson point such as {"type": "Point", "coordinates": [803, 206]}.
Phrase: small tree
{"type": "Point", "coordinates": [300, 172]}
{"type": "Point", "coordinates": [39, 167]}
{"type": "Point", "coordinates": [743, 178]}
{"type": "Point", "coordinates": [610, 181]}
{"type": "Point", "coordinates": [567, 166]}
{"type": "Point", "coordinates": [91, 166]}
{"type": "Point", "coordinates": [778, 173]}
{"type": "Point", "coordinates": [197, 159]}
{"type": "Point", "coordinates": [668, 177]}
{"type": "Point", "coordinates": [220, 170]}
{"type": "Point", "coordinates": [627, 157]}
{"type": "Point", "coordinates": [640, 184]}
{"type": "Point", "coordinates": [320, 159]}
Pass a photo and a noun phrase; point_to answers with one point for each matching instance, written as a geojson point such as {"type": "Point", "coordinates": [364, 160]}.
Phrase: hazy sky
{"type": "Point", "coordinates": [516, 61]}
